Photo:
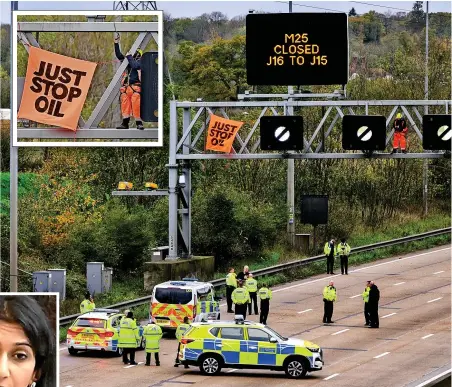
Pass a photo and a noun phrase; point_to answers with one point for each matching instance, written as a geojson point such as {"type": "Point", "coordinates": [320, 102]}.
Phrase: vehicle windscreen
{"type": "Point", "coordinates": [276, 334]}
{"type": "Point", "coordinates": [173, 295]}
{"type": "Point", "coordinates": [90, 323]}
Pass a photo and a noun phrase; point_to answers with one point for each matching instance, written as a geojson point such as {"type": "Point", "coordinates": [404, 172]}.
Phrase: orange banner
{"type": "Point", "coordinates": [221, 133]}
{"type": "Point", "coordinates": [55, 88]}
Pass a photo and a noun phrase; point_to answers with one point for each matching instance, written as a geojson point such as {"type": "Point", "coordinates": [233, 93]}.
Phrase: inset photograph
{"type": "Point", "coordinates": [28, 333]}
{"type": "Point", "coordinates": [87, 78]}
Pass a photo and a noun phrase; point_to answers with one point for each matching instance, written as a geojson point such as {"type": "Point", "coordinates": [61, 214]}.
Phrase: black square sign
{"type": "Point", "coordinates": [363, 132]}
{"type": "Point", "coordinates": [297, 49]}
{"type": "Point", "coordinates": [314, 209]}
{"type": "Point", "coordinates": [281, 133]}
{"type": "Point", "coordinates": [436, 132]}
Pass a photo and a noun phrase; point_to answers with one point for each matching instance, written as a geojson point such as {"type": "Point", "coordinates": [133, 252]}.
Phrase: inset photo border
{"type": "Point", "coordinates": [98, 123]}
{"type": "Point", "coordinates": [29, 325]}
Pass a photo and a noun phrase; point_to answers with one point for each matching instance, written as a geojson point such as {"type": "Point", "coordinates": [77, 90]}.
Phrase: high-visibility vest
{"type": "Point", "coordinates": [327, 249]}
{"type": "Point", "coordinates": [329, 293]}
{"type": "Point", "coordinates": [251, 285]}
{"type": "Point", "coordinates": [240, 296]}
{"type": "Point", "coordinates": [343, 249]}
{"type": "Point", "coordinates": [231, 280]}
{"type": "Point", "coordinates": [366, 294]}
{"type": "Point", "coordinates": [207, 307]}
{"type": "Point", "coordinates": [265, 293]}
{"type": "Point", "coordinates": [181, 329]}
{"type": "Point", "coordinates": [152, 333]}
{"type": "Point", "coordinates": [128, 333]}
{"type": "Point", "coordinates": [87, 306]}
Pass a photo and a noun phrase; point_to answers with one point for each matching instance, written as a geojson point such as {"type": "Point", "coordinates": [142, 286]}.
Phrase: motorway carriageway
{"type": "Point", "coordinates": [412, 344]}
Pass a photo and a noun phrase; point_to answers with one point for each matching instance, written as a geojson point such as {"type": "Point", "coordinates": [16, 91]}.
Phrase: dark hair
{"type": "Point", "coordinates": [25, 311]}
{"type": "Point", "coordinates": [343, 240]}
{"type": "Point", "coordinates": [87, 295]}
{"type": "Point", "coordinates": [185, 319]}
{"type": "Point", "coordinates": [129, 315]}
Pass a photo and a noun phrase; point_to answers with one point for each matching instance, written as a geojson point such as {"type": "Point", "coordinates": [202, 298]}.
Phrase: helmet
{"type": "Point", "coordinates": [139, 52]}
{"type": "Point", "coordinates": [399, 116]}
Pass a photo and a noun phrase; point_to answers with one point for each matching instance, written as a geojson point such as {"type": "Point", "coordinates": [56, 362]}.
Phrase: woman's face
{"type": "Point", "coordinates": [17, 359]}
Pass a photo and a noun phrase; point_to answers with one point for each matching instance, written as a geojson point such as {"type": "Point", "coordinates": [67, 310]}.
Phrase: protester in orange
{"type": "Point", "coordinates": [130, 87]}
{"type": "Point", "coordinates": [400, 132]}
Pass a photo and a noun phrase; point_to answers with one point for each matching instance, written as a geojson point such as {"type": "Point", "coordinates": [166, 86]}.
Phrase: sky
{"type": "Point", "coordinates": [232, 8]}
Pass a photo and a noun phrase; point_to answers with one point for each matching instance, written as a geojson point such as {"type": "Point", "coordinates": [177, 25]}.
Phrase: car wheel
{"type": "Point", "coordinates": [210, 365]}
{"type": "Point", "coordinates": [295, 367]}
{"type": "Point", "coordinates": [72, 351]}
{"type": "Point", "coordinates": [118, 352]}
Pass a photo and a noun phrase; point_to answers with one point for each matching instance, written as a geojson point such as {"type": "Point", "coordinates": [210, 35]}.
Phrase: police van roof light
{"type": "Point", "coordinates": [189, 279]}
{"type": "Point", "coordinates": [175, 283]}
{"type": "Point", "coordinates": [239, 319]}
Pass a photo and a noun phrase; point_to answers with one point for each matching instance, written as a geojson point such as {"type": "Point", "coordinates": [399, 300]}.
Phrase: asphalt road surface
{"type": "Point", "coordinates": [414, 338]}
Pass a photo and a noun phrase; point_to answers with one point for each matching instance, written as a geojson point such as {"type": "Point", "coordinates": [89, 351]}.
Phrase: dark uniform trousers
{"type": "Point", "coordinates": [367, 313]}
{"type": "Point", "coordinates": [373, 311]}
{"type": "Point", "coordinates": [241, 309]}
{"type": "Point", "coordinates": [157, 361]}
{"type": "Point", "coordinates": [328, 311]}
{"type": "Point", "coordinates": [253, 300]}
{"type": "Point", "coordinates": [125, 352]}
{"type": "Point", "coordinates": [344, 264]}
{"type": "Point", "coordinates": [265, 307]}
{"type": "Point", "coordinates": [229, 290]}
{"type": "Point", "coordinates": [329, 264]}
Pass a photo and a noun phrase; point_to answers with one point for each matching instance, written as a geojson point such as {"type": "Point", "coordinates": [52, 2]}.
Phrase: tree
{"type": "Point", "coordinates": [417, 17]}
{"type": "Point", "coordinates": [352, 12]}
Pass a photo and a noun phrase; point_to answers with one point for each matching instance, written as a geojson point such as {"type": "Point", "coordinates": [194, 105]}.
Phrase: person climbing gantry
{"type": "Point", "coordinates": [130, 92]}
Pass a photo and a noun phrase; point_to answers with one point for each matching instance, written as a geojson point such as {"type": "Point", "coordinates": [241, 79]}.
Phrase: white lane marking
{"type": "Point", "coordinates": [355, 296]}
{"type": "Point", "coordinates": [363, 268]}
{"type": "Point", "coordinates": [399, 283]}
{"type": "Point", "coordinates": [426, 337]}
{"type": "Point", "coordinates": [134, 365]}
{"type": "Point", "coordinates": [438, 272]}
{"type": "Point", "coordinates": [303, 311]}
{"type": "Point", "coordinates": [427, 382]}
{"type": "Point", "coordinates": [389, 315]}
{"type": "Point", "coordinates": [331, 377]}
{"type": "Point", "coordinates": [342, 331]}
{"type": "Point", "coordinates": [436, 299]}
{"type": "Point", "coordinates": [63, 348]}
{"type": "Point", "coordinates": [233, 370]}
{"type": "Point", "coordinates": [381, 355]}
{"type": "Point", "coordinates": [68, 386]}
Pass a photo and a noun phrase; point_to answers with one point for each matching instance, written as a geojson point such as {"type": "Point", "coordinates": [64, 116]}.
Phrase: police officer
{"type": "Point", "coordinates": [366, 303]}
{"type": "Point", "coordinates": [152, 333]}
{"type": "Point", "coordinates": [330, 251]}
{"type": "Point", "coordinates": [251, 286]}
{"type": "Point", "coordinates": [181, 329]}
{"type": "Point", "coordinates": [265, 294]}
{"type": "Point", "coordinates": [374, 297]}
{"type": "Point", "coordinates": [231, 285]}
{"type": "Point", "coordinates": [128, 338]}
{"type": "Point", "coordinates": [240, 297]}
{"type": "Point", "coordinates": [344, 251]}
{"type": "Point", "coordinates": [87, 305]}
{"type": "Point", "coordinates": [329, 297]}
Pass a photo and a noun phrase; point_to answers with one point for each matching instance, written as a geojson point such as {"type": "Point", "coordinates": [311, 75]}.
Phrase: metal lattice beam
{"type": "Point", "coordinates": [87, 27]}
{"type": "Point", "coordinates": [134, 6]}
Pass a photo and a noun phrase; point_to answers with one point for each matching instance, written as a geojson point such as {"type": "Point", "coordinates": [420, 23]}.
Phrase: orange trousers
{"type": "Point", "coordinates": [399, 140]}
{"type": "Point", "coordinates": [130, 101]}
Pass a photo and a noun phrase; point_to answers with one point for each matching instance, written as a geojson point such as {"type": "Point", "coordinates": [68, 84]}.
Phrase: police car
{"type": "Point", "coordinates": [97, 330]}
{"type": "Point", "coordinates": [214, 345]}
{"type": "Point", "coordinates": [173, 300]}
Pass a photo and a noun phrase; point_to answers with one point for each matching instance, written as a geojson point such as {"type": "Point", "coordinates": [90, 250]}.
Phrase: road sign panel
{"type": "Point", "coordinates": [281, 133]}
{"type": "Point", "coordinates": [436, 132]}
{"type": "Point", "coordinates": [363, 132]}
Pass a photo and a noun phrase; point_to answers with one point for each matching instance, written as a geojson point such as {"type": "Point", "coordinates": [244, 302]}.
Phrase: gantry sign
{"type": "Point", "coordinates": [89, 129]}
{"type": "Point", "coordinates": [322, 142]}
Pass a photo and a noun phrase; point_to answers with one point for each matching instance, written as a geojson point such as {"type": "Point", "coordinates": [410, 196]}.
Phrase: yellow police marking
{"type": "Point", "coordinates": [399, 283]}
{"type": "Point", "coordinates": [331, 377]}
{"type": "Point", "coordinates": [436, 299]}
{"type": "Point", "coordinates": [389, 315]}
{"type": "Point", "coordinates": [438, 272]}
{"type": "Point", "coordinates": [426, 337]}
{"type": "Point", "coordinates": [303, 311]}
{"type": "Point", "coordinates": [381, 355]}
{"type": "Point", "coordinates": [355, 296]}
{"type": "Point", "coordinates": [342, 331]}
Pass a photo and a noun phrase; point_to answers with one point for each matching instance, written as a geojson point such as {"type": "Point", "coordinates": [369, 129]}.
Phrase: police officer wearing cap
{"type": "Point", "coordinates": [231, 285]}
{"type": "Point", "coordinates": [366, 303]}
{"type": "Point", "coordinates": [343, 249]}
{"type": "Point", "coordinates": [128, 338]}
{"type": "Point", "coordinates": [265, 295]}
{"type": "Point", "coordinates": [329, 297]}
{"type": "Point", "coordinates": [240, 298]}
{"type": "Point", "coordinates": [251, 286]}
